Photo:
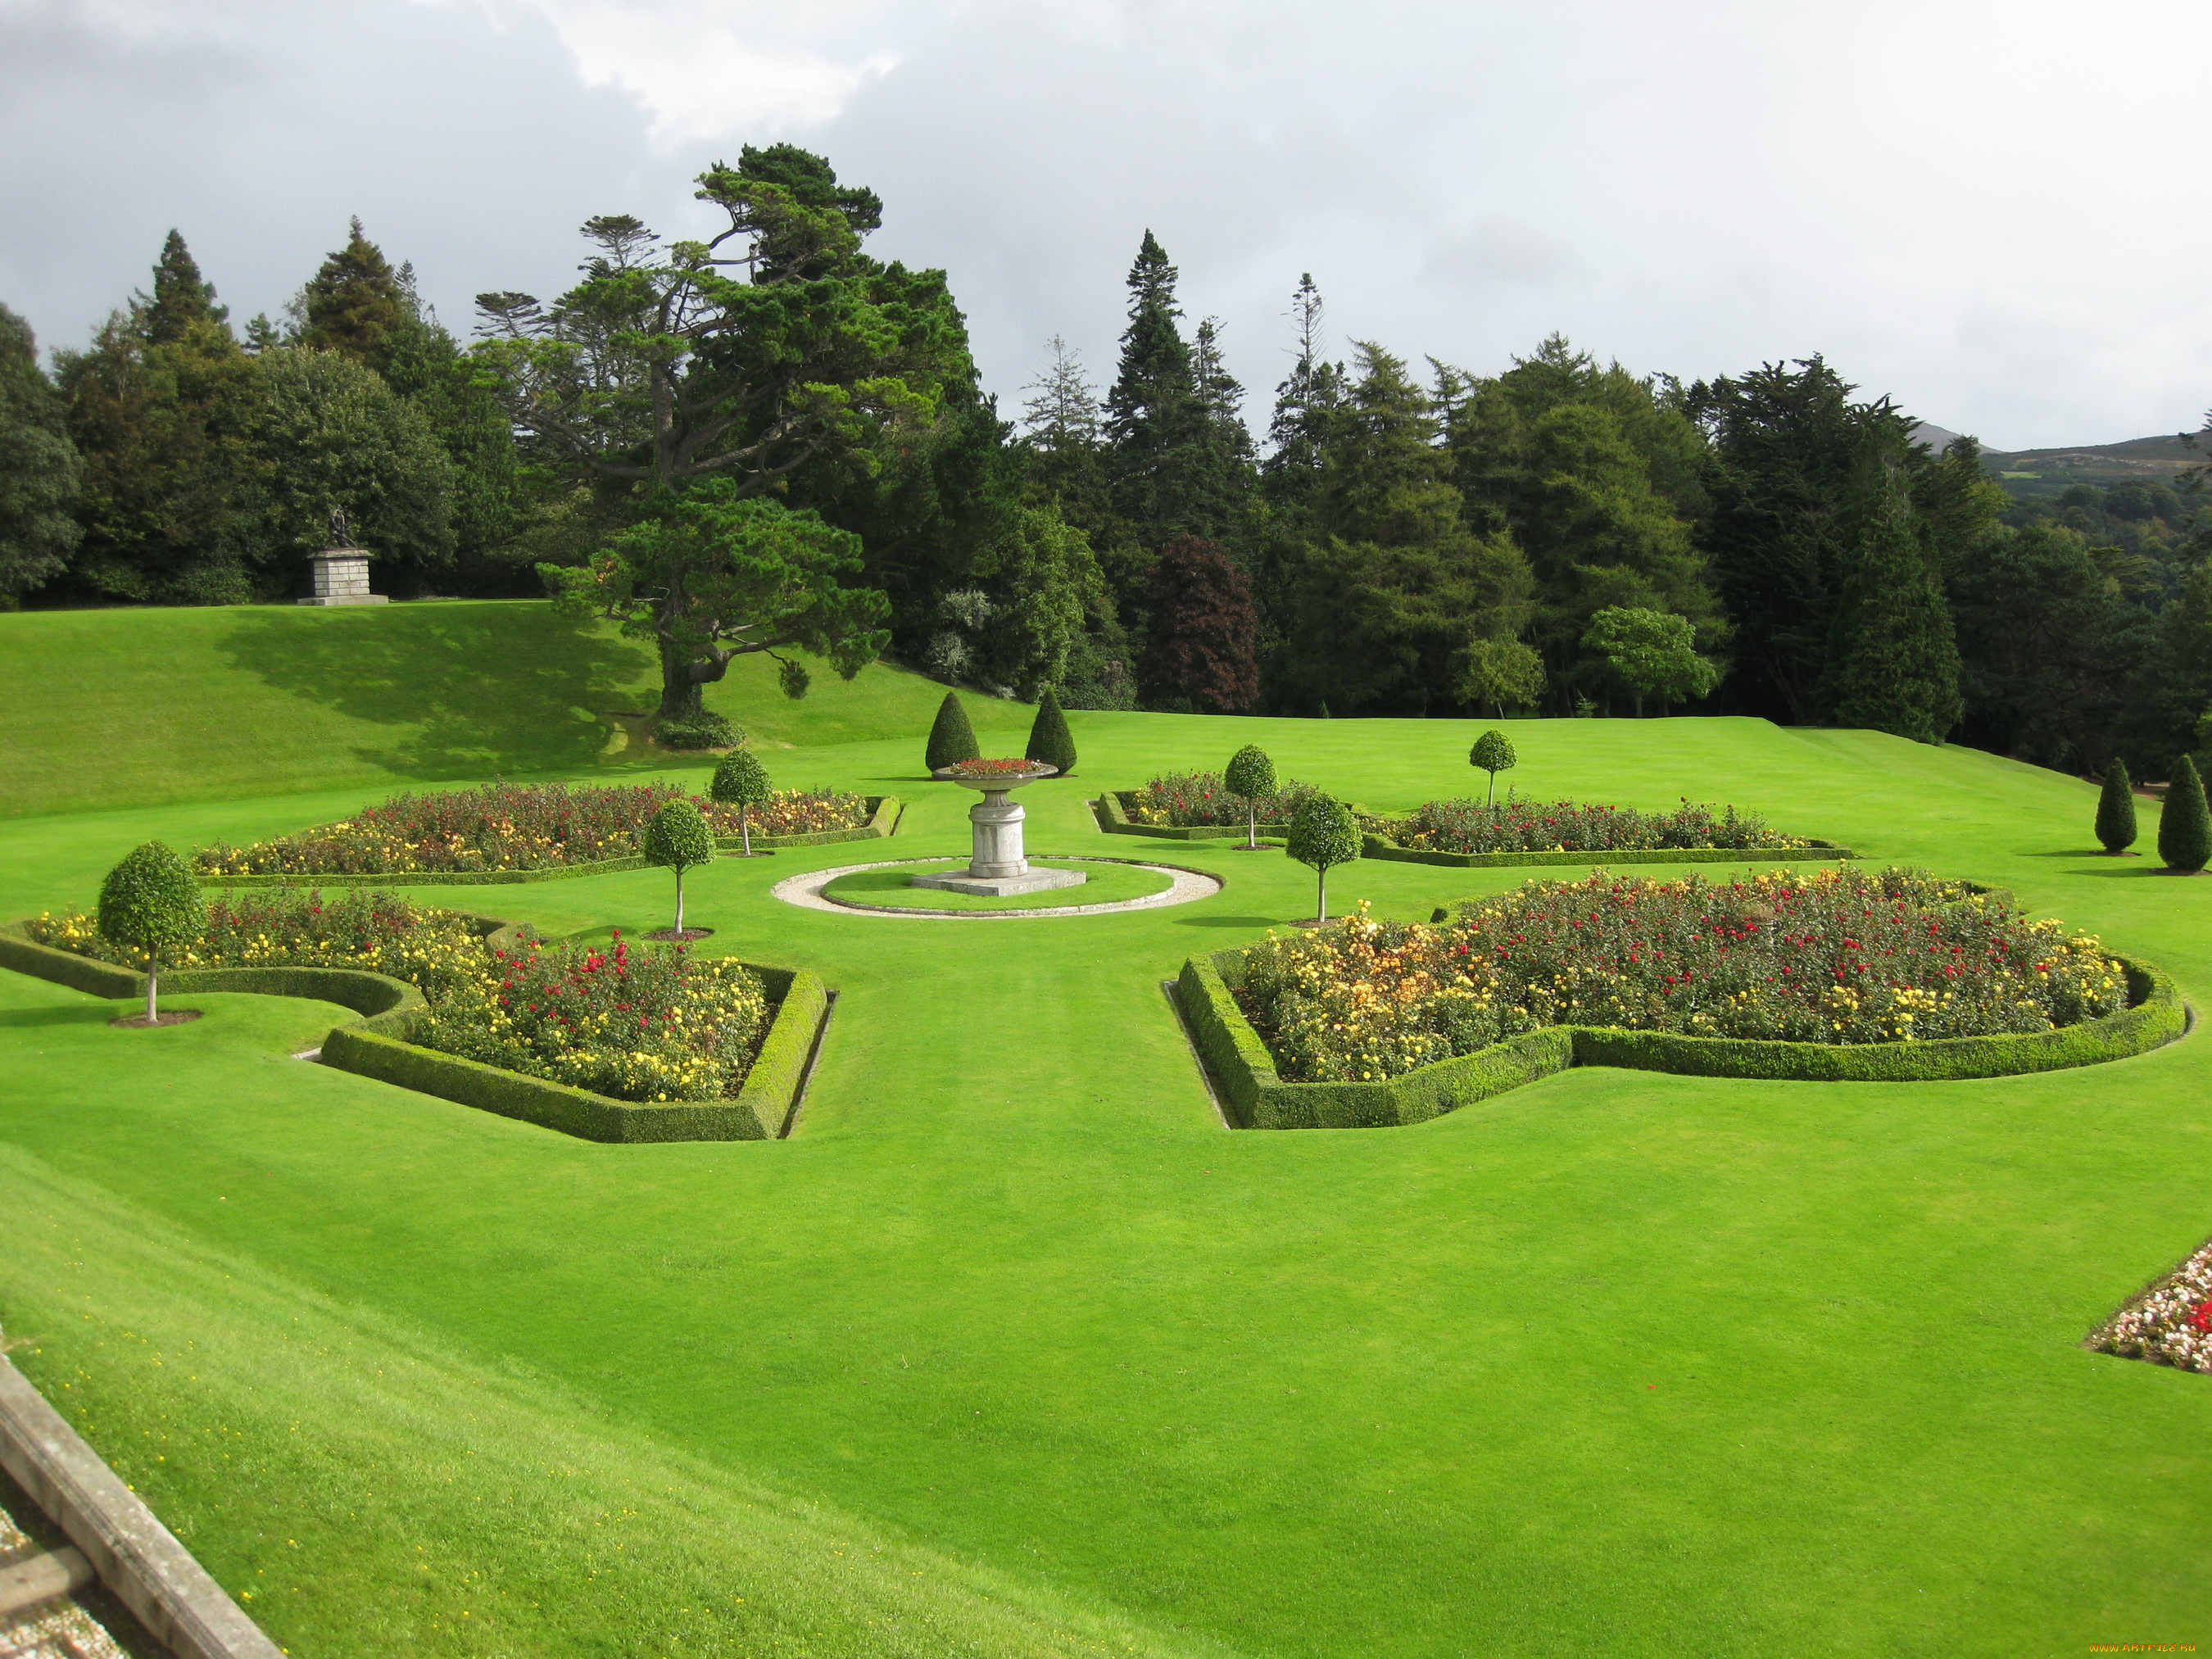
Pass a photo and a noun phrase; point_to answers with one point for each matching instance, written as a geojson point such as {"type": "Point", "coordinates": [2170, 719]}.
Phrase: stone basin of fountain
{"type": "Point", "coordinates": [996, 866]}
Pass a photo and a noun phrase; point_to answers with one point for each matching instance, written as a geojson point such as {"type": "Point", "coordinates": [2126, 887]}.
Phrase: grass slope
{"type": "Point", "coordinates": [142, 707]}
{"type": "Point", "coordinates": [1617, 1363]}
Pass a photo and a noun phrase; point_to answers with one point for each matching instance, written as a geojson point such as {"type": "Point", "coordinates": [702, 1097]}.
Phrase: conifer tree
{"type": "Point", "coordinates": [2116, 809]}
{"type": "Point", "coordinates": [1251, 778]}
{"type": "Point", "coordinates": [41, 472]}
{"type": "Point", "coordinates": [742, 781]}
{"type": "Point", "coordinates": [354, 303]}
{"type": "Point", "coordinates": [182, 299]}
{"type": "Point", "coordinates": [1050, 741]}
{"type": "Point", "coordinates": [952, 737]}
{"type": "Point", "coordinates": [1305, 402]}
{"type": "Point", "coordinates": [150, 902]}
{"type": "Point", "coordinates": [1897, 667]}
{"type": "Point", "coordinates": [1065, 443]}
{"type": "Point", "coordinates": [1324, 833]}
{"type": "Point", "coordinates": [2184, 831]}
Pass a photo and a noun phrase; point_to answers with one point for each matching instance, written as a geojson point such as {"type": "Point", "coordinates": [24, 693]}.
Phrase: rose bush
{"type": "Point", "coordinates": [1185, 800]}
{"type": "Point", "coordinates": [1514, 825]}
{"type": "Point", "coordinates": [1839, 956]}
{"type": "Point", "coordinates": [2172, 1325]}
{"type": "Point", "coordinates": [512, 826]}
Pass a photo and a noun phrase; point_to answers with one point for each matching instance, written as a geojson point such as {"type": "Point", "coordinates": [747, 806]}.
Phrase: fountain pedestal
{"type": "Point", "coordinates": [996, 866]}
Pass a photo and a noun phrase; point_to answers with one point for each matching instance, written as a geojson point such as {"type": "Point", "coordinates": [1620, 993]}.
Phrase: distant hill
{"type": "Point", "coordinates": [2031, 473]}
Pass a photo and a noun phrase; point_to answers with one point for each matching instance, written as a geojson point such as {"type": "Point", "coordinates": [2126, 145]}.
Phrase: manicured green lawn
{"type": "Point", "coordinates": [1616, 1363]}
{"type": "Point", "coordinates": [1103, 883]}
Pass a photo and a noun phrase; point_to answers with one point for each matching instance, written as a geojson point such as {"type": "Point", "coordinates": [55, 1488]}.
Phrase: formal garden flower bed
{"type": "Point", "coordinates": [1195, 806]}
{"type": "Point", "coordinates": [2169, 1324]}
{"type": "Point", "coordinates": [1841, 974]}
{"type": "Point", "coordinates": [505, 827]}
{"type": "Point", "coordinates": [634, 1022]}
{"type": "Point", "coordinates": [1514, 825]}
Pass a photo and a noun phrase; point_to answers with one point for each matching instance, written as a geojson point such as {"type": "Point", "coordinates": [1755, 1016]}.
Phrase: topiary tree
{"type": "Point", "coordinates": [2185, 830]}
{"type": "Point", "coordinates": [676, 838]}
{"type": "Point", "coordinates": [2116, 809]}
{"type": "Point", "coordinates": [149, 901]}
{"type": "Point", "coordinates": [951, 738]}
{"type": "Point", "coordinates": [1494, 753]}
{"type": "Point", "coordinates": [1251, 779]}
{"type": "Point", "coordinates": [741, 782]}
{"type": "Point", "coordinates": [1324, 833]}
{"type": "Point", "coordinates": [1050, 741]}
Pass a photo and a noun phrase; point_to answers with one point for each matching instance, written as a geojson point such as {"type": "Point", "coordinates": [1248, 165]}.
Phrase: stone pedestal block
{"type": "Point", "coordinates": [1029, 881]}
{"type": "Point", "coordinates": [341, 577]}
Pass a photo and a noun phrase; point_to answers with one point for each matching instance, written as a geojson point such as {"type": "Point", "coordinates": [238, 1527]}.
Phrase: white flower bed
{"type": "Point", "coordinates": [2172, 1324]}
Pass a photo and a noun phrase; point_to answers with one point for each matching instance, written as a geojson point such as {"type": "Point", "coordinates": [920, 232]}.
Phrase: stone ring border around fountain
{"type": "Point", "coordinates": [805, 892]}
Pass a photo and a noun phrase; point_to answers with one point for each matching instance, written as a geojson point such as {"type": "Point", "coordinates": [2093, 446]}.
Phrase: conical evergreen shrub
{"type": "Point", "coordinates": [1050, 741]}
{"type": "Point", "coordinates": [2116, 809]}
{"type": "Point", "coordinates": [2184, 829]}
{"type": "Point", "coordinates": [951, 738]}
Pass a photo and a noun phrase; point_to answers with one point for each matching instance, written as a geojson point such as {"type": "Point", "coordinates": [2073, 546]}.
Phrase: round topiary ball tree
{"type": "Point", "coordinates": [150, 902]}
{"type": "Point", "coordinates": [2185, 832]}
{"type": "Point", "coordinates": [741, 782]}
{"type": "Point", "coordinates": [676, 838]}
{"type": "Point", "coordinates": [1251, 779]}
{"type": "Point", "coordinates": [1050, 741]}
{"type": "Point", "coordinates": [2116, 809]}
{"type": "Point", "coordinates": [1494, 753]}
{"type": "Point", "coordinates": [1324, 833]}
{"type": "Point", "coordinates": [951, 738]}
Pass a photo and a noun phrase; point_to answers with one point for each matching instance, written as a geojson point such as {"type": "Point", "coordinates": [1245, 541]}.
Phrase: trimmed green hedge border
{"type": "Point", "coordinates": [883, 820]}
{"type": "Point", "coordinates": [1820, 852]}
{"type": "Point", "coordinates": [1113, 808]}
{"type": "Point", "coordinates": [1245, 1076]}
{"type": "Point", "coordinates": [377, 1045]}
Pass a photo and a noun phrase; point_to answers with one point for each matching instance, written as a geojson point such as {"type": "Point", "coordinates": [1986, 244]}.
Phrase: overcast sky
{"type": "Point", "coordinates": [1994, 212]}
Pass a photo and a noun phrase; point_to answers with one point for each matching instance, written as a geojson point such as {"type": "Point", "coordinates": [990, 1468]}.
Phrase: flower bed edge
{"type": "Point", "coordinates": [1245, 1071]}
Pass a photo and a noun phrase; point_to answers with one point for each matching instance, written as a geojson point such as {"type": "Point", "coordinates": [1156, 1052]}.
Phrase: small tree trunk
{"type": "Point", "coordinates": [679, 900]}
{"type": "Point", "coordinates": [1251, 823]}
{"type": "Point", "coordinates": [1492, 801]}
{"type": "Point", "coordinates": [153, 978]}
{"type": "Point", "coordinates": [1320, 913]}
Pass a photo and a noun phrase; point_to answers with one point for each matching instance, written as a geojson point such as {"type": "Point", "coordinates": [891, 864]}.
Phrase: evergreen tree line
{"type": "Point", "coordinates": [1563, 536]}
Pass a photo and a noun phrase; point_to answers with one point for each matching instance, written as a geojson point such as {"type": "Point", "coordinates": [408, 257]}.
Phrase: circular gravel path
{"type": "Point", "coordinates": [805, 892]}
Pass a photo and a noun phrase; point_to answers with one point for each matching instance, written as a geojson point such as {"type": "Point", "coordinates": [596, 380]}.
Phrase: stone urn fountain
{"type": "Point", "coordinates": [996, 866]}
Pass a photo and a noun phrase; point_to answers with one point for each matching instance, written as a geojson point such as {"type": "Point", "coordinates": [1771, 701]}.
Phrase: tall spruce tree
{"type": "Point", "coordinates": [2184, 833]}
{"type": "Point", "coordinates": [41, 472]}
{"type": "Point", "coordinates": [356, 304]}
{"type": "Point", "coordinates": [2116, 809]}
{"type": "Point", "coordinates": [1063, 437]}
{"type": "Point", "coordinates": [1895, 664]}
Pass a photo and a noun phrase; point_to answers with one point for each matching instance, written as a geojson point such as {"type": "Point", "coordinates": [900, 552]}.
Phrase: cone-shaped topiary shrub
{"type": "Point", "coordinates": [151, 899]}
{"type": "Point", "coordinates": [1050, 741]}
{"type": "Point", "coordinates": [741, 782]}
{"type": "Point", "coordinates": [676, 838]}
{"type": "Point", "coordinates": [1494, 753]}
{"type": "Point", "coordinates": [1251, 779]}
{"type": "Point", "coordinates": [2116, 809]}
{"type": "Point", "coordinates": [2185, 832]}
{"type": "Point", "coordinates": [1323, 834]}
{"type": "Point", "coordinates": [951, 738]}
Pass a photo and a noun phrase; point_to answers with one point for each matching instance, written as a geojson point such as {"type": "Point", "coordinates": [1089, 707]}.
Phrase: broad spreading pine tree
{"type": "Point", "coordinates": [951, 738]}
{"type": "Point", "coordinates": [2116, 809]}
{"type": "Point", "coordinates": [1050, 741]}
{"type": "Point", "coordinates": [150, 902]}
{"type": "Point", "coordinates": [2184, 831]}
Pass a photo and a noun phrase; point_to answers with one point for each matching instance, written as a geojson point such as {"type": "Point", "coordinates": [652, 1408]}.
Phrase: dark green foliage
{"type": "Point", "coordinates": [1324, 833]}
{"type": "Point", "coordinates": [703, 729]}
{"type": "Point", "coordinates": [1050, 741]}
{"type": "Point", "coordinates": [150, 902]}
{"type": "Point", "coordinates": [39, 471]}
{"type": "Point", "coordinates": [1250, 776]}
{"type": "Point", "coordinates": [1652, 652]}
{"type": "Point", "coordinates": [183, 300]}
{"type": "Point", "coordinates": [742, 781]}
{"type": "Point", "coordinates": [355, 303]}
{"type": "Point", "coordinates": [1200, 648]}
{"type": "Point", "coordinates": [1895, 664]}
{"type": "Point", "coordinates": [2116, 809]}
{"type": "Point", "coordinates": [676, 838]}
{"type": "Point", "coordinates": [952, 737]}
{"type": "Point", "coordinates": [1494, 753]}
{"type": "Point", "coordinates": [2185, 835]}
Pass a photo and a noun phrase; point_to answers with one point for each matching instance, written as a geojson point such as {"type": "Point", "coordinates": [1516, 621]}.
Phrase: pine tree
{"type": "Point", "coordinates": [41, 472]}
{"type": "Point", "coordinates": [150, 902]}
{"type": "Point", "coordinates": [182, 299]}
{"type": "Point", "coordinates": [952, 737]}
{"type": "Point", "coordinates": [743, 782]}
{"type": "Point", "coordinates": [1306, 403]}
{"type": "Point", "coordinates": [1155, 422]}
{"type": "Point", "coordinates": [1200, 648]}
{"type": "Point", "coordinates": [1896, 665]}
{"type": "Point", "coordinates": [1065, 440]}
{"type": "Point", "coordinates": [2185, 832]}
{"type": "Point", "coordinates": [1050, 741]}
{"type": "Point", "coordinates": [355, 303]}
{"type": "Point", "coordinates": [2116, 809]}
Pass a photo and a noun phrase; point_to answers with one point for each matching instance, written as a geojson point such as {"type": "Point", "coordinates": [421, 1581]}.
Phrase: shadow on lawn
{"type": "Point", "coordinates": [25, 1018]}
{"type": "Point", "coordinates": [511, 689]}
